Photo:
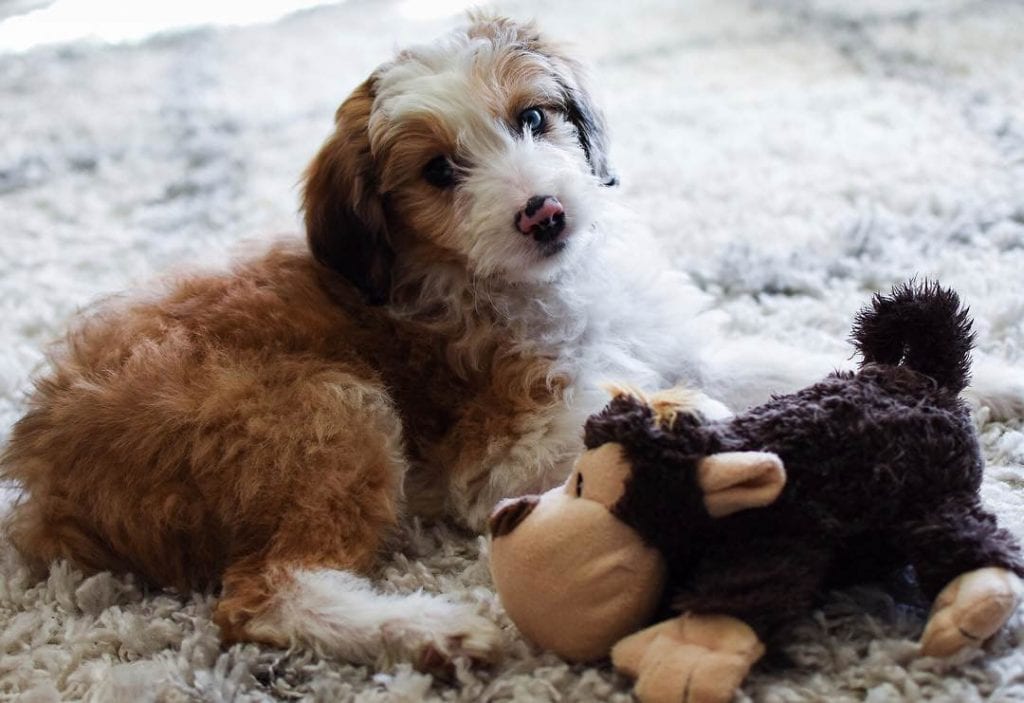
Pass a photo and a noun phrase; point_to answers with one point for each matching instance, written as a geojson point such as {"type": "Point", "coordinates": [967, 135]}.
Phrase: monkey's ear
{"type": "Point", "coordinates": [734, 481]}
{"type": "Point", "coordinates": [345, 221]}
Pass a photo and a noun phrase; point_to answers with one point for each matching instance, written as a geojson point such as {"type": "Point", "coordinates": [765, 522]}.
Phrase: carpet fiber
{"type": "Point", "coordinates": [793, 156]}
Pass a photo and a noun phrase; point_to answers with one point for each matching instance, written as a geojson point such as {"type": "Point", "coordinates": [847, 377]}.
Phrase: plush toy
{"type": "Point", "coordinates": [736, 525]}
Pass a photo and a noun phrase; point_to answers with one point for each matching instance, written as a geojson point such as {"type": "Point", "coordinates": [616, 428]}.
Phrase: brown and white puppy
{"type": "Point", "coordinates": [466, 286]}
{"type": "Point", "coordinates": [265, 428]}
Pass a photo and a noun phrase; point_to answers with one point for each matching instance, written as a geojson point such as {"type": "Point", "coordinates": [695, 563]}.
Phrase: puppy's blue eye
{"type": "Point", "coordinates": [439, 172]}
{"type": "Point", "coordinates": [532, 118]}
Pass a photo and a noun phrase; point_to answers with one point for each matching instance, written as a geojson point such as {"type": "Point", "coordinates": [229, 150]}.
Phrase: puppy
{"type": "Point", "coordinates": [433, 347]}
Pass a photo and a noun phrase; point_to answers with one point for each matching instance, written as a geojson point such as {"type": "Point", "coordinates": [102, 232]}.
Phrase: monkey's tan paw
{"type": "Point", "coordinates": [689, 674]}
{"type": "Point", "coordinates": [970, 610]}
{"type": "Point", "coordinates": [689, 659]}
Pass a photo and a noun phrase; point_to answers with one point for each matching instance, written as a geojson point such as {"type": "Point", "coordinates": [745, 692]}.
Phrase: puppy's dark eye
{"type": "Point", "coordinates": [532, 118]}
{"type": "Point", "coordinates": [579, 484]}
{"type": "Point", "coordinates": [439, 172]}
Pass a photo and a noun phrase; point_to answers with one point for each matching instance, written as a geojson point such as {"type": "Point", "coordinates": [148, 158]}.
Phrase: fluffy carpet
{"type": "Point", "coordinates": [792, 155]}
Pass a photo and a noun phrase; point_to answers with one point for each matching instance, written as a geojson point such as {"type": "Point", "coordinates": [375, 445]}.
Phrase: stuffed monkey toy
{"type": "Point", "coordinates": [738, 524]}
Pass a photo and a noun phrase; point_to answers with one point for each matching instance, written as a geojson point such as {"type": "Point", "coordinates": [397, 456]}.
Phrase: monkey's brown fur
{"type": "Point", "coordinates": [883, 464]}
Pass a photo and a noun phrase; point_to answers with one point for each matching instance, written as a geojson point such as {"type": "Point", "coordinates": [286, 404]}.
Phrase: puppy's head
{"type": "Point", "coordinates": [483, 150]}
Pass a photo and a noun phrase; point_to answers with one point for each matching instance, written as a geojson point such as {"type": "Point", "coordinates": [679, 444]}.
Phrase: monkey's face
{"type": "Point", "coordinates": [573, 577]}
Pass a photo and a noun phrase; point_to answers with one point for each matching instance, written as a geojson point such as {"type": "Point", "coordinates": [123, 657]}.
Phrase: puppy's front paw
{"type": "Point", "coordinates": [443, 633]}
{"type": "Point", "coordinates": [476, 638]}
{"type": "Point", "coordinates": [479, 646]}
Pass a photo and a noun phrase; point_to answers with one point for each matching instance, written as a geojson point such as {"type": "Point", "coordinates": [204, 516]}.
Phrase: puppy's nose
{"type": "Point", "coordinates": [510, 512]}
{"type": "Point", "coordinates": [543, 218]}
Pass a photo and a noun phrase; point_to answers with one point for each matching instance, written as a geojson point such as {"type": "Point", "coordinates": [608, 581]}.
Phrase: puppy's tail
{"type": "Point", "coordinates": [921, 326]}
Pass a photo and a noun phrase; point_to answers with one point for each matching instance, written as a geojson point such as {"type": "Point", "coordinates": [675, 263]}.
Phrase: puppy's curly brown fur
{"type": "Point", "coordinates": [185, 434]}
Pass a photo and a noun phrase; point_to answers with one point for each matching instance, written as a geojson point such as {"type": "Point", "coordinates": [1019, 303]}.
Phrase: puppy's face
{"type": "Point", "coordinates": [482, 150]}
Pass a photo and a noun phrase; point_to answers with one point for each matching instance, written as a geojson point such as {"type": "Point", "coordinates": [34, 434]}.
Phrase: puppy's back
{"type": "Point", "coordinates": [116, 455]}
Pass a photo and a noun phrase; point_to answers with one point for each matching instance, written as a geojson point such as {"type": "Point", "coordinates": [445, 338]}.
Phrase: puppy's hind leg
{"type": "Point", "coordinates": [307, 584]}
{"type": "Point", "coordinates": [317, 513]}
{"type": "Point", "coordinates": [339, 614]}
{"type": "Point", "coordinates": [747, 371]}
{"type": "Point", "coordinates": [998, 386]}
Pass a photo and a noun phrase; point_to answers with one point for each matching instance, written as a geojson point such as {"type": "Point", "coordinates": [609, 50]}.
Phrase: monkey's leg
{"type": "Point", "coordinates": [972, 569]}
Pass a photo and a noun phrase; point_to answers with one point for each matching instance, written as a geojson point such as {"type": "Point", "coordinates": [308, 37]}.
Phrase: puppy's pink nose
{"type": "Point", "coordinates": [543, 217]}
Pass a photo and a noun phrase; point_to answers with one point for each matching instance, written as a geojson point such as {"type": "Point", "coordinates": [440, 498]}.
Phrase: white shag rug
{"type": "Point", "coordinates": [792, 155]}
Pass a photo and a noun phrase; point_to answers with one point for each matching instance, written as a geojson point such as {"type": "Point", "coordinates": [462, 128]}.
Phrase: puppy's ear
{"type": "Point", "coordinates": [346, 225]}
{"type": "Point", "coordinates": [584, 114]}
{"type": "Point", "coordinates": [579, 106]}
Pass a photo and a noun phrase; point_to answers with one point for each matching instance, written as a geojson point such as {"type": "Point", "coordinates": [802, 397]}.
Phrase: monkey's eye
{"type": "Point", "coordinates": [532, 118]}
{"type": "Point", "coordinates": [579, 484]}
{"type": "Point", "coordinates": [439, 172]}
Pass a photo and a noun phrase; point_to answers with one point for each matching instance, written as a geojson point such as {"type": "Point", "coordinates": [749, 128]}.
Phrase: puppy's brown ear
{"type": "Point", "coordinates": [346, 225]}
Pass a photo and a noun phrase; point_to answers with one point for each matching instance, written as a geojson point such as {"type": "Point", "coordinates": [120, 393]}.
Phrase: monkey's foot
{"type": "Point", "coordinates": [689, 659]}
{"type": "Point", "coordinates": [970, 610]}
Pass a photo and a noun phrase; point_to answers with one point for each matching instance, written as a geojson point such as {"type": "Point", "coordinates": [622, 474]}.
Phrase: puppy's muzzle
{"type": "Point", "coordinates": [543, 218]}
{"type": "Point", "coordinates": [510, 512]}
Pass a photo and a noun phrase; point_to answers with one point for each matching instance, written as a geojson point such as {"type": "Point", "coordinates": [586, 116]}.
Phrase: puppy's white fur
{"type": "Point", "coordinates": [339, 614]}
